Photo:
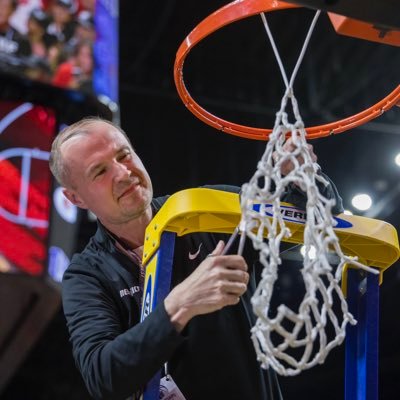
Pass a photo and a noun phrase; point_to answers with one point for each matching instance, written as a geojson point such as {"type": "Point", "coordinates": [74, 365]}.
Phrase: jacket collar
{"type": "Point", "coordinates": [107, 239]}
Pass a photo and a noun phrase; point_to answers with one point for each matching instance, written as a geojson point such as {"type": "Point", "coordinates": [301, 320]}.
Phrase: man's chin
{"type": "Point", "coordinates": [136, 202]}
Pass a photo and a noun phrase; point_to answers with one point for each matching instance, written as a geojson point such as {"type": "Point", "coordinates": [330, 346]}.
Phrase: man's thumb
{"type": "Point", "coordinates": [219, 248]}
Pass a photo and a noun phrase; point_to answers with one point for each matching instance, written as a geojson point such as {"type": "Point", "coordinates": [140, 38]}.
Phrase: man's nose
{"type": "Point", "coordinates": [121, 171]}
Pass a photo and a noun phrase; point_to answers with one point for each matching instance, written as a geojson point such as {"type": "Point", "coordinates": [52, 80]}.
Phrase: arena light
{"type": "Point", "coordinates": [397, 159]}
{"type": "Point", "coordinates": [362, 201]}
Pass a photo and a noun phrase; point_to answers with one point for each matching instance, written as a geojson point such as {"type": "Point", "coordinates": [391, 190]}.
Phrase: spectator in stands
{"type": "Point", "coordinates": [84, 31]}
{"type": "Point", "coordinates": [41, 43]}
{"type": "Point", "coordinates": [12, 43]}
{"type": "Point", "coordinates": [63, 23]}
{"type": "Point", "coordinates": [39, 39]}
{"type": "Point", "coordinates": [19, 18]}
{"type": "Point", "coordinates": [76, 73]}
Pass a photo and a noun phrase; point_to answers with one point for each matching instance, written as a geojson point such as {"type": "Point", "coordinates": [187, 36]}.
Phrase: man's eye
{"type": "Point", "coordinates": [99, 173]}
{"type": "Point", "coordinates": [124, 156]}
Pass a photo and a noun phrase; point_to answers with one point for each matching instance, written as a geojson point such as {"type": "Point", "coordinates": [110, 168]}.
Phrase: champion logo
{"type": "Point", "coordinates": [294, 214]}
{"type": "Point", "coordinates": [193, 256]}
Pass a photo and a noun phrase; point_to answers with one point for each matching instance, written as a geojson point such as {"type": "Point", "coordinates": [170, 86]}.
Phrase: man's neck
{"type": "Point", "coordinates": [131, 234]}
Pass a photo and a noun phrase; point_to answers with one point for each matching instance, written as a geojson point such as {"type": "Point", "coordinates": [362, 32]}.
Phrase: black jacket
{"type": "Point", "coordinates": [213, 358]}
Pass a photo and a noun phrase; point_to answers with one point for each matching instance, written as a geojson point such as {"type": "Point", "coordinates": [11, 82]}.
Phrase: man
{"type": "Point", "coordinates": [202, 329]}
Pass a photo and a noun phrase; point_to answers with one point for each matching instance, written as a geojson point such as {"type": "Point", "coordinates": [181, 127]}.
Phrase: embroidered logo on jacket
{"type": "Point", "coordinates": [194, 256]}
{"type": "Point", "coordinates": [129, 292]}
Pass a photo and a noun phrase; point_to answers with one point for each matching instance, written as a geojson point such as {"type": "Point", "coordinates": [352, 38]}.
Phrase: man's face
{"type": "Point", "coordinates": [107, 176]}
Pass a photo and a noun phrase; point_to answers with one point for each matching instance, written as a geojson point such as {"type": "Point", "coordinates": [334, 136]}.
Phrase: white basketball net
{"type": "Point", "coordinates": [307, 333]}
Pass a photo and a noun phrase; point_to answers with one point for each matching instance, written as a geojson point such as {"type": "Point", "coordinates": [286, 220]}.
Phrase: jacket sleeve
{"type": "Point", "coordinates": [115, 362]}
{"type": "Point", "coordinates": [297, 197]}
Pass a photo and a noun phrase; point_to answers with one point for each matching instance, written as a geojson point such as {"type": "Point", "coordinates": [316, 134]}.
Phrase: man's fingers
{"type": "Point", "coordinates": [232, 261]}
{"type": "Point", "coordinates": [232, 275]}
{"type": "Point", "coordinates": [235, 288]}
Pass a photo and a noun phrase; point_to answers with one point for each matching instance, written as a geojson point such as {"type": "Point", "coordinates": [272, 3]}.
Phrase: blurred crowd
{"type": "Point", "coordinates": [49, 40]}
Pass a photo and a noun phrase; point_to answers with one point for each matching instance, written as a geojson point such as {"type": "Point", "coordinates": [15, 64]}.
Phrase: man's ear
{"type": "Point", "coordinates": [74, 198]}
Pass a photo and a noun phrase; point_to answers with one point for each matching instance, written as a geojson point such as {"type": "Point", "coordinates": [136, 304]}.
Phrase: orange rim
{"type": "Point", "coordinates": [236, 11]}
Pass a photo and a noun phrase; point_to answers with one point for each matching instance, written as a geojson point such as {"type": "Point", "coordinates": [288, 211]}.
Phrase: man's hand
{"type": "Point", "coordinates": [287, 166]}
{"type": "Point", "coordinates": [217, 282]}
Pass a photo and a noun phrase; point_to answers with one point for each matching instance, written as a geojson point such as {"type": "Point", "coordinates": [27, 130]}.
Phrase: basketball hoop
{"type": "Point", "coordinates": [236, 11]}
{"type": "Point", "coordinates": [262, 219]}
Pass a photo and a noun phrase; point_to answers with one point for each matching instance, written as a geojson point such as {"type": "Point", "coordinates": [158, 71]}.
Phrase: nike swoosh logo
{"type": "Point", "coordinates": [193, 256]}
